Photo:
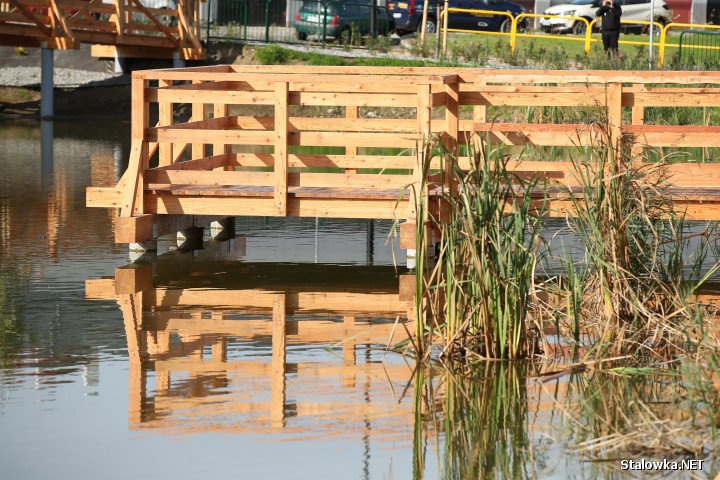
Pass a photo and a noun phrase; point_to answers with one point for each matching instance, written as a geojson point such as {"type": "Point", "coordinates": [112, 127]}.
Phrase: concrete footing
{"type": "Point", "coordinates": [223, 229]}
{"type": "Point", "coordinates": [178, 61]}
{"type": "Point", "coordinates": [143, 251]}
{"type": "Point", "coordinates": [190, 239]}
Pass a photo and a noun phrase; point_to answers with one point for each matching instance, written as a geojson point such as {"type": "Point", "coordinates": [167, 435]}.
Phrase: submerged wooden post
{"type": "Point", "coordinates": [281, 148]}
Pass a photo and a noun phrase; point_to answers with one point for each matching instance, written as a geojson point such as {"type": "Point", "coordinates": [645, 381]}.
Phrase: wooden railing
{"type": "Point", "coordinates": [63, 24]}
{"type": "Point", "coordinates": [244, 148]}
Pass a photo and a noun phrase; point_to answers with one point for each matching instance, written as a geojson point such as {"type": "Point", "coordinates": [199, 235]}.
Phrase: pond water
{"type": "Point", "coordinates": [261, 356]}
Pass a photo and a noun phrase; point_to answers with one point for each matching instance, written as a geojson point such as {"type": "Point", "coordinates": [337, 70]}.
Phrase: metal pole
{"type": "Point", "coordinates": [652, 32]}
{"type": "Point", "coordinates": [47, 85]}
{"type": "Point", "coordinates": [373, 19]}
{"type": "Point", "coordinates": [267, 21]}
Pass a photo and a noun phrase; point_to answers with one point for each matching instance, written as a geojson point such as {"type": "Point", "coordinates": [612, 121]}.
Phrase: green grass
{"type": "Point", "coordinates": [275, 55]}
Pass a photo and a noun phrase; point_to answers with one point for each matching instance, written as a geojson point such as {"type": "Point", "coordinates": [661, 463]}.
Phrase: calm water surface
{"type": "Point", "coordinates": [263, 356]}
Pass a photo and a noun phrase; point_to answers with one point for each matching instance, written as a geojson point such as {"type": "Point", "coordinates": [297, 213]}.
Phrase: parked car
{"type": "Point", "coordinates": [339, 17]}
{"type": "Point", "coordinates": [637, 10]}
{"type": "Point", "coordinates": [407, 15]}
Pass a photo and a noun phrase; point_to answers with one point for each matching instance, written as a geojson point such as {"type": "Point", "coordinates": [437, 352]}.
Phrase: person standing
{"type": "Point", "coordinates": [610, 13]}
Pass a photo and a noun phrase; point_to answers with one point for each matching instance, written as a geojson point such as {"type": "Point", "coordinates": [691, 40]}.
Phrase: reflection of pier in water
{"type": "Point", "coordinates": [222, 357]}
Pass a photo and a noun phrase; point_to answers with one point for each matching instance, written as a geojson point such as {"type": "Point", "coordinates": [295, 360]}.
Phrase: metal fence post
{"type": "Point", "coordinates": [267, 21]}
{"type": "Point", "coordinates": [324, 20]}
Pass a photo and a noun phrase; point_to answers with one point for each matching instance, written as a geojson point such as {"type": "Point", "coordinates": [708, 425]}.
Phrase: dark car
{"type": "Point", "coordinates": [407, 15]}
{"type": "Point", "coordinates": [338, 17]}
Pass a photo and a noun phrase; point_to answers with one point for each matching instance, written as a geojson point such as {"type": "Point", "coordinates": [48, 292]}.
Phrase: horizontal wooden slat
{"type": "Point", "coordinates": [327, 161]}
{"type": "Point", "coordinates": [589, 99]}
{"type": "Point", "coordinates": [675, 135]}
{"type": "Point", "coordinates": [297, 207]}
{"type": "Point", "coordinates": [208, 179]}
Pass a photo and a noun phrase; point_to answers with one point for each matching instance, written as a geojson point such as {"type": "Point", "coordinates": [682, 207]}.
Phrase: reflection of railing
{"type": "Point", "coordinates": [123, 23]}
{"type": "Point", "coordinates": [258, 391]}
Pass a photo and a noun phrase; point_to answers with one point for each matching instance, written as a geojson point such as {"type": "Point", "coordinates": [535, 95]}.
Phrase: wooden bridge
{"type": "Point", "coordinates": [127, 27]}
{"type": "Point", "coordinates": [347, 141]}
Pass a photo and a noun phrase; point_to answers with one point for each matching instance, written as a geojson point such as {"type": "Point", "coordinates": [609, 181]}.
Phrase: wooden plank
{"type": "Point", "coordinates": [206, 163]}
{"type": "Point", "coordinates": [675, 135]}
{"type": "Point", "coordinates": [360, 99]}
{"type": "Point", "coordinates": [210, 179]}
{"type": "Point", "coordinates": [488, 98]}
{"type": "Point", "coordinates": [297, 207]}
{"type": "Point", "coordinates": [671, 99]}
{"type": "Point", "coordinates": [360, 139]}
{"type": "Point", "coordinates": [156, 23]}
{"type": "Point", "coordinates": [281, 148]}
{"type": "Point", "coordinates": [180, 135]}
{"type": "Point", "coordinates": [327, 161]}
{"type": "Point", "coordinates": [103, 197]}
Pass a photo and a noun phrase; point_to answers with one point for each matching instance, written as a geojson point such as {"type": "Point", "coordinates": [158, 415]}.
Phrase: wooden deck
{"type": "Point", "coordinates": [125, 27]}
{"type": "Point", "coordinates": [243, 149]}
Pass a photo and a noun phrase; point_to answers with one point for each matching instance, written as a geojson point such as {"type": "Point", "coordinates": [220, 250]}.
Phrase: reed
{"type": "Point", "coordinates": [481, 285]}
{"type": "Point", "coordinates": [638, 279]}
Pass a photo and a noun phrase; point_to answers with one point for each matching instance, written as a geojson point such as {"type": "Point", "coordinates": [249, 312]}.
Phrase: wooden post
{"type": "Point", "coordinates": [424, 130]}
{"type": "Point", "coordinates": [277, 387]}
{"type": "Point", "coordinates": [198, 115]}
{"type": "Point", "coordinates": [220, 110]}
{"type": "Point", "coordinates": [133, 196]}
{"type": "Point", "coordinates": [638, 118]}
{"type": "Point", "coordinates": [452, 124]}
{"type": "Point", "coordinates": [120, 18]}
{"type": "Point", "coordinates": [615, 126]}
{"type": "Point", "coordinates": [445, 27]}
{"type": "Point", "coordinates": [351, 112]}
{"type": "Point", "coordinates": [281, 147]}
{"type": "Point", "coordinates": [423, 26]}
{"type": "Point", "coordinates": [165, 114]}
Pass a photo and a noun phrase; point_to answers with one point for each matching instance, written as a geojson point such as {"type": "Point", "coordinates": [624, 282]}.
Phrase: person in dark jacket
{"type": "Point", "coordinates": [610, 13]}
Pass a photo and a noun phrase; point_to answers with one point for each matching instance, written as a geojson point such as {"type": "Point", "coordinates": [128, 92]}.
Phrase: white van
{"type": "Point", "coordinates": [636, 10]}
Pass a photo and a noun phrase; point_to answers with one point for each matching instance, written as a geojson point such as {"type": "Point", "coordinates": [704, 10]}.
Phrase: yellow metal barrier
{"type": "Point", "coordinates": [588, 40]}
{"type": "Point", "coordinates": [443, 19]}
{"type": "Point", "coordinates": [514, 34]}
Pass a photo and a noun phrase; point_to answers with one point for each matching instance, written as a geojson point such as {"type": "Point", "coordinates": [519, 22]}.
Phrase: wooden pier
{"type": "Point", "coordinates": [249, 145]}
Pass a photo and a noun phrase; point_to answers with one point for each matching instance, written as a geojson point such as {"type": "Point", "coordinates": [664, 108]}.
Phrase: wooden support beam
{"type": "Point", "coordinates": [638, 118]}
{"type": "Point", "coordinates": [198, 115]}
{"type": "Point", "coordinates": [351, 113]}
{"type": "Point", "coordinates": [165, 114]}
{"type": "Point", "coordinates": [221, 111]}
{"type": "Point", "coordinates": [281, 148]}
{"type": "Point", "coordinates": [452, 124]}
{"type": "Point", "coordinates": [614, 102]}
{"type": "Point", "coordinates": [424, 130]}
